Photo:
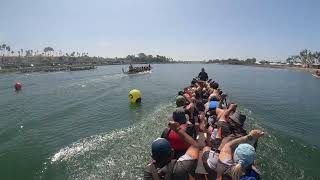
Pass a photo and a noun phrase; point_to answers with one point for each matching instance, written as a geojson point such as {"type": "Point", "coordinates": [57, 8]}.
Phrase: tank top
{"type": "Point", "coordinates": [176, 142]}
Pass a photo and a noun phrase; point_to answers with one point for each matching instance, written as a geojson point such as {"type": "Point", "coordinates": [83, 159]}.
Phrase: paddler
{"type": "Point", "coordinates": [130, 68]}
{"type": "Point", "coordinates": [177, 144]}
{"type": "Point", "coordinates": [203, 76]}
{"type": "Point", "coordinates": [234, 158]}
{"type": "Point", "coordinates": [163, 167]}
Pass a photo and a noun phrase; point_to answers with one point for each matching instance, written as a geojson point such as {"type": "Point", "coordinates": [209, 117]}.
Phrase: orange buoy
{"type": "Point", "coordinates": [18, 86]}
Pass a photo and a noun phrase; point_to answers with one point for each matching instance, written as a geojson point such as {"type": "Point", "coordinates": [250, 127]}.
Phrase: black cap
{"type": "Point", "coordinates": [214, 85]}
{"type": "Point", "coordinates": [179, 115]}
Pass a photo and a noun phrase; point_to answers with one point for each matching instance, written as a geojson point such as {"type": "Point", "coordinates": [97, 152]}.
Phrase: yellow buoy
{"type": "Point", "coordinates": [135, 96]}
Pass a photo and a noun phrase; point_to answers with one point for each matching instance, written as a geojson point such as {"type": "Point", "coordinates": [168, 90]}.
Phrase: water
{"type": "Point", "coordinates": [80, 125]}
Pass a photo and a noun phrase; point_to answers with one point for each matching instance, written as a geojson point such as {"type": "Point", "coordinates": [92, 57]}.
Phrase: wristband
{"type": "Point", "coordinates": [178, 128]}
{"type": "Point", "coordinates": [249, 137]}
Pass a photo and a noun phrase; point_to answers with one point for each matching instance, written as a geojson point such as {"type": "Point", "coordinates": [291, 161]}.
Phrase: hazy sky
{"type": "Point", "coordinates": [182, 29]}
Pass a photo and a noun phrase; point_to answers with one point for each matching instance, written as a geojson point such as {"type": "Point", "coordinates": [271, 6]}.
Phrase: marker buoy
{"type": "Point", "coordinates": [18, 86]}
{"type": "Point", "coordinates": [135, 96]}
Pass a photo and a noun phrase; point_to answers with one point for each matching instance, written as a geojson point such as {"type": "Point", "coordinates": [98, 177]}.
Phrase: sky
{"type": "Point", "coordinates": [181, 29]}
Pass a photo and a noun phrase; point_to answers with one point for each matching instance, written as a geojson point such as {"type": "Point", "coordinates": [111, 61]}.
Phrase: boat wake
{"type": "Point", "coordinates": [120, 154]}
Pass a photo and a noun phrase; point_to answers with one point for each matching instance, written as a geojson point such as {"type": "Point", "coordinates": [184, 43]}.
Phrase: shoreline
{"type": "Point", "coordinates": [79, 67]}
{"type": "Point", "coordinates": [292, 68]}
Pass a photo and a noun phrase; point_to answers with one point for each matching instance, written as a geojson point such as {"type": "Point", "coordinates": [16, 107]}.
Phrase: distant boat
{"type": "Point", "coordinates": [138, 70]}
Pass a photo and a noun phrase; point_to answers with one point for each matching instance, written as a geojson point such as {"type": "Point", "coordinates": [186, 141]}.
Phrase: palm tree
{"type": "Point", "coordinates": [3, 48]}
{"type": "Point", "coordinates": [48, 49]}
{"type": "Point", "coordinates": [8, 50]}
{"type": "Point", "coordinates": [304, 55]}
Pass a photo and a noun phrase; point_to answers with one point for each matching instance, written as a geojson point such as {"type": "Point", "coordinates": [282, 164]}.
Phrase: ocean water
{"type": "Point", "coordinates": [80, 125]}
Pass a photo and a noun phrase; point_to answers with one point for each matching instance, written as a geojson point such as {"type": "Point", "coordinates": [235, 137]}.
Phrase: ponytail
{"type": "Point", "coordinates": [236, 172]}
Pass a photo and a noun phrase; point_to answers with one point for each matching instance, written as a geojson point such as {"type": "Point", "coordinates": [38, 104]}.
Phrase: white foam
{"type": "Point", "coordinates": [120, 154]}
{"type": "Point", "coordinates": [86, 144]}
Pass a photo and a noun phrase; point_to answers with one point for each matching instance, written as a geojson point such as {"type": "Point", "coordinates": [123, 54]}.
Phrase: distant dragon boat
{"type": "Point", "coordinates": [137, 70]}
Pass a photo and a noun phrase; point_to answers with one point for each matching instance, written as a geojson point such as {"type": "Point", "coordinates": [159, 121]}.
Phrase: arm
{"type": "Point", "coordinates": [183, 135]}
{"type": "Point", "coordinates": [219, 112]}
{"type": "Point", "coordinates": [193, 150]}
{"type": "Point", "coordinates": [228, 148]}
{"type": "Point", "coordinates": [225, 113]}
{"type": "Point", "coordinates": [231, 108]}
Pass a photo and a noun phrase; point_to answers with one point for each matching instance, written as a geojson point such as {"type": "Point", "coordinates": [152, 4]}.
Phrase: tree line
{"type": "Point", "coordinates": [234, 61]}
{"type": "Point", "coordinates": [6, 51]}
{"type": "Point", "coordinates": [143, 58]}
{"type": "Point", "coordinates": [49, 57]}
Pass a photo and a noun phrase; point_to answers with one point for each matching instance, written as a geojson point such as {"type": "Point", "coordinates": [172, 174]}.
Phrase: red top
{"type": "Point", "coordinates": [176, 142]}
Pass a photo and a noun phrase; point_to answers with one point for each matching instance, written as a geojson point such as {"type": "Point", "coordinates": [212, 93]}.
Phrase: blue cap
{"type": "Point", "coordinates": [244, 154]}
{"type": "Point", "coordinates": [161, 149]}
{"type": "Point", "coordinates": [213, 105]}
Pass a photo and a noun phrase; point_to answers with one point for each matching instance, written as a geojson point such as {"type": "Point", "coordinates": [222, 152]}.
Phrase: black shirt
{"type": "Point", "coordinates": [203, 76]}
